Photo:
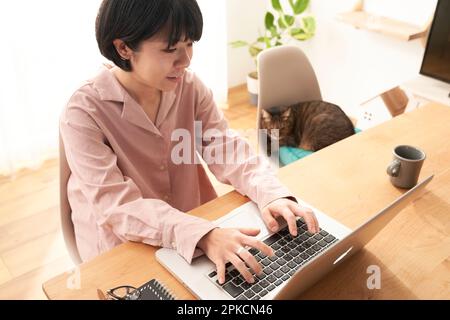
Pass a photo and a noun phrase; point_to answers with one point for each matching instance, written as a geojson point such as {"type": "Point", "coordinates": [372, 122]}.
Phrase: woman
{"type": "Point", "coordinates": [117, 130]}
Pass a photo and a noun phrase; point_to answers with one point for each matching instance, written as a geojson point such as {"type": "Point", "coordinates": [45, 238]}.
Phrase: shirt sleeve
{"type": "Point", "coordinates": [115, 199]}
{"type": "Point", "coordinates": [230, 158]}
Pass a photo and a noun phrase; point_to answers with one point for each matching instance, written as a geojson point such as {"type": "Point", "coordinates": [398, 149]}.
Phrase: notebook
{"type": "Point", "coordinates": [155, 290]}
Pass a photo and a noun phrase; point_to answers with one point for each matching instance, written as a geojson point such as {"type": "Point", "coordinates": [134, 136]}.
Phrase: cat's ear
{"type": "Point", "coordinates": [286, 114]}
{"type": "Point", "coordinates": [265, 115]}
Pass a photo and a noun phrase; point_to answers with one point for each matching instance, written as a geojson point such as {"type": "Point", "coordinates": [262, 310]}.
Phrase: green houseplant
{"type": "Point", "coordinates": [281, 27]}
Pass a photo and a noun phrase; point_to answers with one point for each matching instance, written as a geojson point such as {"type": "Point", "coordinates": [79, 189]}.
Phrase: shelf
{"type": "Point", "coordinates": [387, 26]}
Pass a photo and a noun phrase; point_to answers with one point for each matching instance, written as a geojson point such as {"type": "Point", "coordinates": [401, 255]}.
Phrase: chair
{"type": "Point", "coordinates": [285, 77]}
{"type": "Point", "coordinates": [65, 210]}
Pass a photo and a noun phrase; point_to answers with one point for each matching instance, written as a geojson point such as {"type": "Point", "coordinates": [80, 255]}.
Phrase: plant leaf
{"type": "Point", "coordinates": [269, 20]}
{"type": "Point", "coordinates": [238, 44]}
{"type": "Point", "coordinates": [277, 5]}
{"type": "Point", "coordinates": [300, 6]}
{"type": "Point", "coordinates": [274, 32]}
{"type": "Point", "coordinates": [254, 50]}
{"type": "Point", "coordinates": [291, 2]}
{"type": "Point", "coordinates": [295, 31]}
{"type": "Point", "coordinates": [300, 34]}
{"type": "Point", "coordinates": [310, 25]}
{"type": "Point", "coordinates": [288, 19]}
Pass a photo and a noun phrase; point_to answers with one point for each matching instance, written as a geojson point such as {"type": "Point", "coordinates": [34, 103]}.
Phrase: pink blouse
{"type": "Point", "coordinates": [124, 185]}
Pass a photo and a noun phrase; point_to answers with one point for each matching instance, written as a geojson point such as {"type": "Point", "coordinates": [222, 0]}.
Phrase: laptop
{"type": "Point", "coordinates": [299, 262]}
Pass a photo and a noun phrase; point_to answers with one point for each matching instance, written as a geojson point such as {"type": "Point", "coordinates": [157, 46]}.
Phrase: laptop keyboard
{"type": "Point", "coordinates": [290, 254]}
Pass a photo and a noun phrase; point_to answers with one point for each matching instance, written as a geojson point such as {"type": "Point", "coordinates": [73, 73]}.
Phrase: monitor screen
{"type": "Point", "coordinates": [436, 61]}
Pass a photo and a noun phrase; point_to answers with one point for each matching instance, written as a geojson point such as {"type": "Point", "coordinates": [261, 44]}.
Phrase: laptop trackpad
{"type": "Point", "coordinates": [246, 216]}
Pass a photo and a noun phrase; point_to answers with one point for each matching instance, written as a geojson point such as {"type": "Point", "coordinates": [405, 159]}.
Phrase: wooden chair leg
{"type": "Point", "coordinates": [395, 100]}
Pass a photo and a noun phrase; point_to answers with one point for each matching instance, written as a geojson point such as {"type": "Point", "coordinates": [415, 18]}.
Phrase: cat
{"type": "Point", "coordinates": [311, 125]}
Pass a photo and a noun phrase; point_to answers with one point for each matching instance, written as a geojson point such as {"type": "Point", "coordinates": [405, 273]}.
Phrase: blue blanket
{"type": "Point", "coordinates": [291, 154]}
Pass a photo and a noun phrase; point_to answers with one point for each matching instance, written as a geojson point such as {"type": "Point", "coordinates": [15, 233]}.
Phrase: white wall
{"type": "Point", "coordinates": [355, 65]}
{"type": "Point", "coordinates": [411, 11]}
{"type": "Point", "coordinates": [245, 21]}
{"type": "Point", "coordinates": [210, 53]}
{"type": "Point", "coordinates": [352, 65]}
{"type": "Point", "coordinates": [245, 18]}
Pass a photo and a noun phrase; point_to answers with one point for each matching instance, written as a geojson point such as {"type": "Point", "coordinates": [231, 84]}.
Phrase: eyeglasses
{"type": "Point", "coordinates": [120, 293]}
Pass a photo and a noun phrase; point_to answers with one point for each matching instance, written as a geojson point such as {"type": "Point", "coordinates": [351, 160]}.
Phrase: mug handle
{"type": "Point", "coordinates": [394, 168]}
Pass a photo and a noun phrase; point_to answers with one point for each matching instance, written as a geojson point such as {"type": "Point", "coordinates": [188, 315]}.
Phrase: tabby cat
{"type": "Point", "coordinates": [311, 125]}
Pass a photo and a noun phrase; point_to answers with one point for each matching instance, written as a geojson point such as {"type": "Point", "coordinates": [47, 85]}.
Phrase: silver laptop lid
{"type": "Point", "coordinates": [316, 269]}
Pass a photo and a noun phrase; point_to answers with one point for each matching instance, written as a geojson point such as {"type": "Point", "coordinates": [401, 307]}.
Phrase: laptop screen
{"type": "Point", "coordinates": [436, 61]}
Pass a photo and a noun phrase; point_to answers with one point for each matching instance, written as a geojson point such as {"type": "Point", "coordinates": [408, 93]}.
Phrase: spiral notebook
{"type": "Point", "coordinates": [155, 290]}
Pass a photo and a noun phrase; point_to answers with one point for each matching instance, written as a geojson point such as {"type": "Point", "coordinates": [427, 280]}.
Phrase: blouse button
{"type": "Point", "coordinates": [162, 168]}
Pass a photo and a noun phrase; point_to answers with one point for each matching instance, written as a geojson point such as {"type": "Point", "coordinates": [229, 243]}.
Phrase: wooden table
{"type": "Point", "coordinates": [348, 181]}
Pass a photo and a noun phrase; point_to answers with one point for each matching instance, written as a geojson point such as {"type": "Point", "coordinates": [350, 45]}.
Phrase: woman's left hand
{"type": "Point", "coordinates": [289, 210]}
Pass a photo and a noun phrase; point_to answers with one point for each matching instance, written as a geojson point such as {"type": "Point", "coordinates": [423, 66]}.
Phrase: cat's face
{"type": "Point", "coordinates": [283, 121]}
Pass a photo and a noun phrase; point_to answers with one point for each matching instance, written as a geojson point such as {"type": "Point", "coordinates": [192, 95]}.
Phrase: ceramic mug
{"type": "Point", "coordinates": [405, 167]}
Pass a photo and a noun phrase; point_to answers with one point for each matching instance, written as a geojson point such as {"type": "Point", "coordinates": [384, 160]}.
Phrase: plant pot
{"type": "Point", "coordinates": [252, 87]}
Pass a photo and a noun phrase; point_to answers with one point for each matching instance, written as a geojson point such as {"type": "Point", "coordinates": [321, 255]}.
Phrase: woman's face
{"type": "Point", "coordinates": [156, 66]}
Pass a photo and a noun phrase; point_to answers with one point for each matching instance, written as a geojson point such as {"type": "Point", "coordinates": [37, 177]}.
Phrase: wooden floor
{"type": "Point", "coordinates": [32, 249]}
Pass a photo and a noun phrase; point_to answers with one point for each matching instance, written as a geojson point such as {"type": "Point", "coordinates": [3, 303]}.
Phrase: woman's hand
{"type": "Point", "coordinates": [289, 210]}
{"type": "Point", "coordinates": [228, 245]}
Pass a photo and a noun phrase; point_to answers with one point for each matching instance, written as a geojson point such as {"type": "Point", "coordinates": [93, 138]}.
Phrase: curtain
{"type": "Point", "coordinates": [48, 50]}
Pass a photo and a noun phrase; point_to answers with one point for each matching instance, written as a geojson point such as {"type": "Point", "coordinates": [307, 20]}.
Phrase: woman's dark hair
{"type": "Point", "coordinates": [134, 21]}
